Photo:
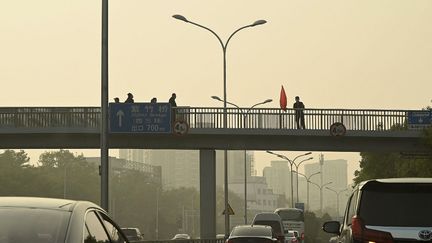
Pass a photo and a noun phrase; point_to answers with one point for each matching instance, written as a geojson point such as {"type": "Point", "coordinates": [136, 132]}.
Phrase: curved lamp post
{"type": "Point", "coordinates": [297, 166]}
{"type": "Point", "coordinates": [245, 162]}
{"type": "Point", "coordinates": [337, 197]}
{"type": "Point", "coordinates": [224, 48]}
{"type": "Point", "coordinates": [307, 185]}
{"type": "Point", "coordinates": [291, 162]}
{"type": "Point", "coordinates": [321, 195]}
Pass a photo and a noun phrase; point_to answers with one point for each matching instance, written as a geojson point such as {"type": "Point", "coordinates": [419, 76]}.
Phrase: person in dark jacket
{"type": "Point", "coordinates": [172, 100]}
{"type": "Point", "coordinates": [129, 98]}
{"type": "Point", "coordinates": [299, 114]}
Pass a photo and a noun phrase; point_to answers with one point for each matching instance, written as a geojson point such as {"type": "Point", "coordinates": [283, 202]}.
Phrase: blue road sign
{"type": "Point", "coordinates": [419, 119]}
{"type": "Point", "coordinates": [140, 117]}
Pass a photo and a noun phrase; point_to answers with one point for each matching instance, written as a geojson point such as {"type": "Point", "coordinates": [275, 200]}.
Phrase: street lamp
{"type": "Point", "coordinates": [291, 162]}
{"type": "Point", "coordinates": [224, 48]}
{"type": "Point", "coordinates": [297, 166]}
{"type": "Point", "coordinates": [321, 196]}
{"type": "Point", "coordinates": [337, 197]}
{"type": "Point", "coordinates": [104, 172]}
{"type": "Point", "coordinates": [307, 184]}
{"type": "Point", "coordinates": [245, 161]}
{"type": "Point", "coordinates": [158, 188]}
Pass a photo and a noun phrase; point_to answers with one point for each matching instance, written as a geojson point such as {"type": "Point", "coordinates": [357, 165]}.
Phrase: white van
{"type": "Point", "coordinates": [273, 220]}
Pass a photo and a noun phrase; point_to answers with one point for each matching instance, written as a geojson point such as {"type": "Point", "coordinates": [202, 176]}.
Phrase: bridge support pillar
{"type": "Point", "coordinates": [208, 194]}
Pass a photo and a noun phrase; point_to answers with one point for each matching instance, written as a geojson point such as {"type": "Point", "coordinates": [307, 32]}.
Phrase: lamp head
{"type": "Point", "coordinates": [216, 98]}
{"type": "Point", "coordinates": [259, 22]}
{"type": "Point", "coordinates": [180, 17]}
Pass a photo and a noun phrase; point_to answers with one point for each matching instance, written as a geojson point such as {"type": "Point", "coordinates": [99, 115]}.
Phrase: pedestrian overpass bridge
{"type": "Point", "coordinates": [246, 129]}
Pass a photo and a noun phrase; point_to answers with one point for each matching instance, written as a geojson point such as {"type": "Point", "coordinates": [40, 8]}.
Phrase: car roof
{"type": "Point", "coordinates": [396, 180]}
{"type": "Point", "coordinates": [43, 203]}
{"type": "Point", "coordinates": [253, 226]}
{"type": "Point", "coordinates": [267, 216]}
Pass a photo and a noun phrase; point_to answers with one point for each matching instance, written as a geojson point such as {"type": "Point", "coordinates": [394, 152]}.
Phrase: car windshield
{"type": "Point", "coordinates": [397, 205]}
{"type": "Point", "coordinates": [274, 224]}
{"type": "Point", "coordinates": [130, 232]}
{"type": "Point", "coordinates": [252, 231]}
{"type": "Point", "coordinates": [25, 225]}
{"type": "Point", "coordinates": [295, 215]}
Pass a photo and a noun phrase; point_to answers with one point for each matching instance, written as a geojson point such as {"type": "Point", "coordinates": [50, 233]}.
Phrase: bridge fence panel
{"type": "Point", "coordinates": [212, 118]}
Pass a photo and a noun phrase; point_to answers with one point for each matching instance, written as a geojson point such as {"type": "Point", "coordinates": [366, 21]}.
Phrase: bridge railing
{"type": "Point", "coordinates": [50, 117]}
{"type": "Point", "coordinates": [268, 118]}
{"type": "Point", "coordinates": [210, 117]}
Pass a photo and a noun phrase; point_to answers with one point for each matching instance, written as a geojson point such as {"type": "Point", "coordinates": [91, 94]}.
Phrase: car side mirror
{"type": "Point", "coordinates": [332, 227]}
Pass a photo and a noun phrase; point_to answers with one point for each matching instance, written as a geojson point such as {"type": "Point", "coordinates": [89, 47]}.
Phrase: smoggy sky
{"type": "Point", "coordinates": [333, 54]}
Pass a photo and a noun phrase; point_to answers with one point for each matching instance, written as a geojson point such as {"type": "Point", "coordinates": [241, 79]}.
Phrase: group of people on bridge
{"type": "Point", "coordinates": [130, 99]}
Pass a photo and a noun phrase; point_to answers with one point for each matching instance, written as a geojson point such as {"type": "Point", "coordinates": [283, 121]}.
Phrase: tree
{"type": "Point", "coordinates": [14, 173]}
{"type": "Point", "coordinates": [389, 165]}
{"type": "Point", "coordinates": [63, 174]}
{"type": "Point", "coordinates": [313, 225]}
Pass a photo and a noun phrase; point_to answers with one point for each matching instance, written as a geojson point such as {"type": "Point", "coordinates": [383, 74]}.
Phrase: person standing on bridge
{"type": "Point", "coordinates": [129, 98]}
{"type": "Point", "coordinates": [172, 100]}
{"type": "Point", "coordinates": [299, 113]}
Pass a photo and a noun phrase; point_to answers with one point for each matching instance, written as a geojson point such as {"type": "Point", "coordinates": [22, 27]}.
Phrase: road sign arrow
{"type": "Point", "coordinates": [120, 114]}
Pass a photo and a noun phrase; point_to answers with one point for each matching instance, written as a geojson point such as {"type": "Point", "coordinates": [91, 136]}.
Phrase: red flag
{"type": "Point", "coordinates": [283, 99]}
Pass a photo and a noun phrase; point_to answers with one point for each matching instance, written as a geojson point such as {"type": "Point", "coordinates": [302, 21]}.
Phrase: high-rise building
{"type": "Point", "coordinates": [333, 172]}
{"type": "Point", "coordinates": [136, 155]}
{"type": "Point", "coordinates": [278, 178]}
{"type": "Point", "coordinates": [180, 168]}
{"type": "Point", "coordinates": [236, 166]}
{"type": "Point", "coordinates": [260, 197]}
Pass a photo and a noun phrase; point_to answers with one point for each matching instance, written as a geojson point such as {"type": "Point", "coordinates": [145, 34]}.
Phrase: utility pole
{"type": "Point", "coordinates": [321, 161]}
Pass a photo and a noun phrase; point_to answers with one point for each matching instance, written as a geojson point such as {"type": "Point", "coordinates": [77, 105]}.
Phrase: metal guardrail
{"type": "Point", "coordinates": [206, 117]}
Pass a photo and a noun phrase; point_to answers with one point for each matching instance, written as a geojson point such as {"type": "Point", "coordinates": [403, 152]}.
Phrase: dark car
{"type": "Point", "coordinates": [252, 234]}
{"type": "Point", "coordinates": [274, 221]}
{"type": "Point", "coordinates": [387, 210]}
{"type": "Point", "coordinates": [47, 220]}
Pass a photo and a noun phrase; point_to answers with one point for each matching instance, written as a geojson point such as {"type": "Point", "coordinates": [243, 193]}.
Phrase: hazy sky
{"type": "Point", "coordinates": [333, 54]}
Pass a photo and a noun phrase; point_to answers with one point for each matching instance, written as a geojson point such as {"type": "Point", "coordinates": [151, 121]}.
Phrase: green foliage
{"type": "Point", "coordinates": [313, 228]}
{"type": "Point", "coordinates": [392, 165]}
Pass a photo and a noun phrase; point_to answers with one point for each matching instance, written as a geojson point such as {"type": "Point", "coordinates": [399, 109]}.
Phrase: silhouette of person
{"type": "Point", "coordinates": [299, 114]}
{"type": "Point", "coordinates": [172, 100]}
{"type": "Point", "coordinates": [153, 100]}
{"type": "Point", "coordinates": [116, 100]}
{"type": "Point", "coordinates": [129, 98]}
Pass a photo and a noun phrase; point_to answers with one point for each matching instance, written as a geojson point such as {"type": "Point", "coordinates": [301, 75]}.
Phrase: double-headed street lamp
{"type": "Point", "coordinates": [245, 160]}
{"type": "Point", "coordinates": [297, 166]}
{"type": "Point", "coordinates": [307, 185]}
{"type": "Point", "coordinates": [321, 194]}
{"type": "Point", "coordinates": [224, 48]}
{"type": "Point", "coordinates": [291, 162]}
{"type": "Point", "coordinates": [337, 197]}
